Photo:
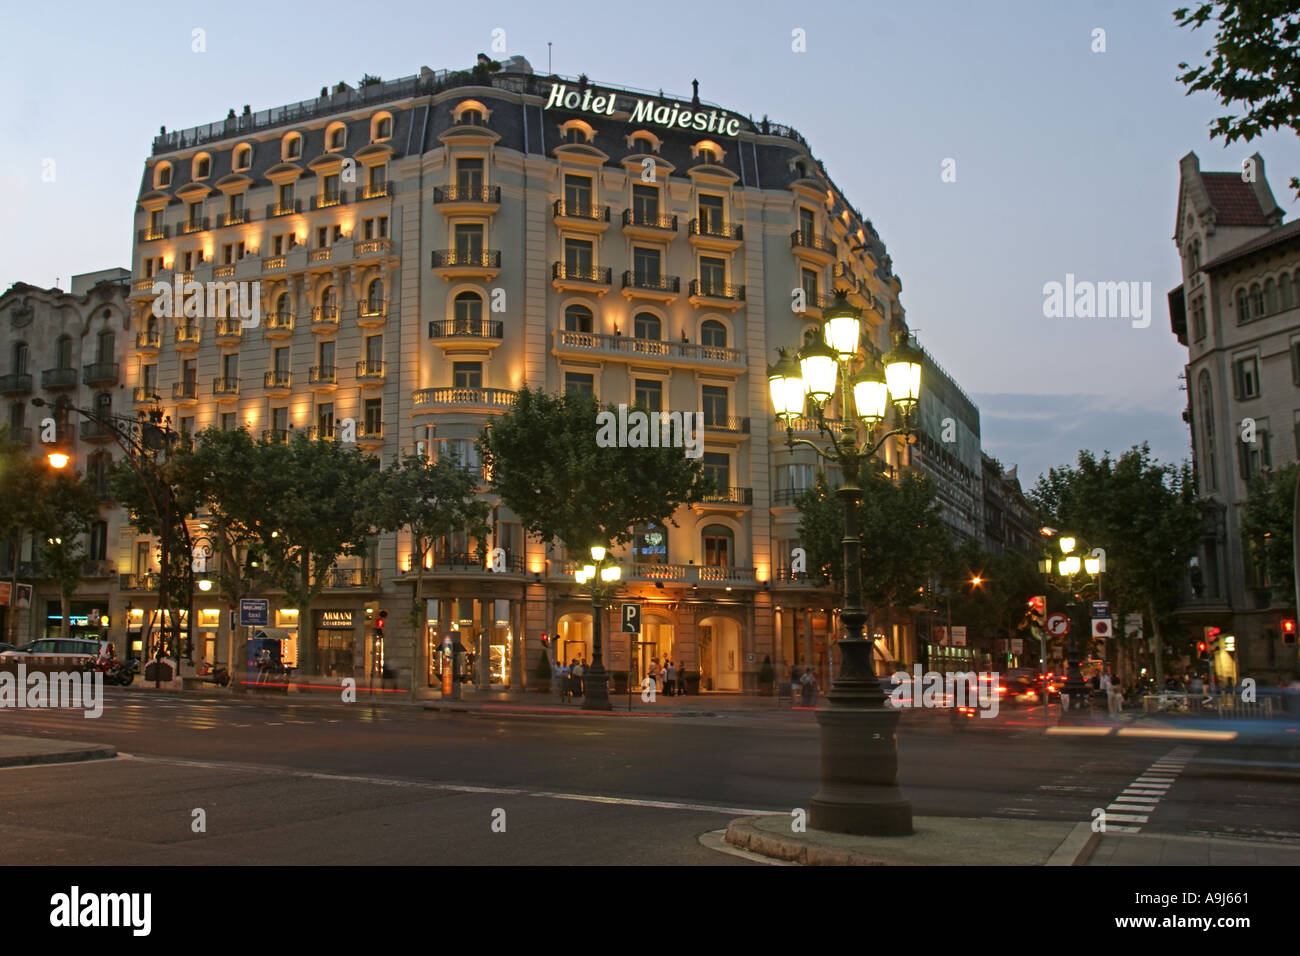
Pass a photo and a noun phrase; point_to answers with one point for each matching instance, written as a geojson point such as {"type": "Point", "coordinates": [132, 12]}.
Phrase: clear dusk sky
{"type": "Point", "coordinates": [1066, 159]}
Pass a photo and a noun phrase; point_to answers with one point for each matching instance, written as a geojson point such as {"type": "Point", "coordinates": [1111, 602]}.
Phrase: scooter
{"type": "Point", "coordinates": [215, 674]}
{"type": "Point", "coordinates": [117, 672]}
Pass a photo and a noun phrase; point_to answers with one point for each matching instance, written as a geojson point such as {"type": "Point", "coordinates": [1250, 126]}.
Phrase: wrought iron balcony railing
{"type": "Point", "coordinates": [650, 220]}
{"type": "Point", "coordinates": [650, 281]}
{"type": "Point", "coordinates": [457, 193]}
{"type": "Point", "coordinates": [597, 274]}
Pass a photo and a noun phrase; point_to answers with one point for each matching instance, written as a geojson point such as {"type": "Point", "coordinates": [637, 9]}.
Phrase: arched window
{"type": "Point", "coordinates": [1243, 306]}
{"type": "Point", "coordinates": [20, 356]}
{"type": "Point", "coordinates": [708, 156]}
{"type": "Point", "coordinates": [646, 326]}
{"type": "Point", "coordinates": [1207, 427]}
{"type": "Point", "coordinates": [1270, 297]}
{"type": "Point", "coordinates": [575, 134]}
{"type": "Point", "coordinates": [468, 310]}
{"type": "Point", "coordinates": [471, 118]}
{"type": "Point", "coordinates": [243, 157]}
{"type": "Point", "coordinates": [713, 334]}
{"type": "Point", "coordinates": [1284, 291]}
{"type": "Point", "coordinates": [719, 546]}
{"type": "Point", "coordinates": [105, 346]}
{"type": "Point", "coordinates": [64, 348]}
{"type": "Point", "coordinates": [282, 305]}
{"type": "Point", "coordinates": [375, 296]}
{"type": "Point", "coordinates": [162, 176]}
{"type": "Point", "coordinates": [292, 146]}
{"type": "Point", "coordinates": [337, 137]}
{"type": "Point", "coordinates": [381, 127]}
{"type": "Point", "coordinates": [328, 303]}
{"type": "Point", "coordinates": [578, 318]}
{"type": "Point", "coordinates": [642, 145]}
{"type": "Point", "coordinates": [202, 166]}
{"type": "Point", "coordinates": [1256, 300]}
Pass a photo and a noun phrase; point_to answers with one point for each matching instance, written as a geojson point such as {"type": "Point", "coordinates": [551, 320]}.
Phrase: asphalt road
{"type": "Point", "coordinates": [318, 784]}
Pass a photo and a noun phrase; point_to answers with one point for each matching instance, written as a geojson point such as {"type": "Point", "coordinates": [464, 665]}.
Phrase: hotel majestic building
{"type": "Point", "coordinates": [422, 248]}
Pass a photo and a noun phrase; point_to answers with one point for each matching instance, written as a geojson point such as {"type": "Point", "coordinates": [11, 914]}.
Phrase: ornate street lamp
{"type": "Point", "coordinates": [602, 577]}
{"type": "Point", "coordinates": [1067, 568]}
{"type": "Point", "coordinates": [859, 750]}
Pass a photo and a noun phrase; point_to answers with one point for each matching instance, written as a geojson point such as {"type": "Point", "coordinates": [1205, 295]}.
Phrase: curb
{"type": "Point", "coordinates": [743, 835]}
{"type": "Point", "coordinates": [91, 752]}
{"type": "Point", "coordinates": [508, 710]}
{"type": "Point", "coordinates": [1077, 847]}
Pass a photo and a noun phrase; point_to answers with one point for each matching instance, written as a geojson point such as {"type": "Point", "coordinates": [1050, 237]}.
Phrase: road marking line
{"type": "Point", "coordinates": [1128, 818]}
{"type": "Point", "coordinates": [1144, 793]}
{"type": "Point", "coordinates": [1121, 828]}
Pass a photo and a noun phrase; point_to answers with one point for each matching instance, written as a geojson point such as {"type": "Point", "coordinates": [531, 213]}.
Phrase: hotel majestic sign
{"type": "Point", "coordinates": [644, 110]}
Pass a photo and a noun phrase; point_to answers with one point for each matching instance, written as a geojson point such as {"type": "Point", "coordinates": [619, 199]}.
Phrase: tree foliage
{"type": "Point", "coordinates": [547, 467]}
{"type": "Point", "coordinates": [1267, 524]}
{"type": "Point", "coordinates": [904, 540]}
{"type": "Point", "coordinates": [64, 513]}
{"type": "Point", "coordinates": [997, 605]}
{"type": "Point", "coordinates": [1254, 66]}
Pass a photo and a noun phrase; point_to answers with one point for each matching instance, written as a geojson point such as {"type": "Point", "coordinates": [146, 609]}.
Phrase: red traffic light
{"type": "Point", "coordinates": [545, 639]}
{"type": "Point", "coordinates": [1288, 626]}
{"type": "Point", "coordinates": [1212, 631]}
{"type": "Point", "coordinates": [1201, 647]}
{"type": "Point", "coordinates": [379, 622]}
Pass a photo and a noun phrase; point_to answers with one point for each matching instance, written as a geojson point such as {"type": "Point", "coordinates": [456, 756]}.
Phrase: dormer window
{"type": "Point", "coordinates": [292, 146]}
{"type": "Point", "coordinates": [336, 137]}
{"type": "Point", "coordinates": [641, 145]}
{"type": "Point", "coordinates": [471, 118]}
{"type": "Point", "coordinates": [202, 166]}
{"type": "Point", "coordinates": [381, 127]}
{"type": "Point", "coordinates": [243, 157]}
{"type": "Point", "coordinates": [162, 176]}
{"type": "Point", "coordinates": [574, 135]}
{"type": "Point", "coordinates": [708, 156]}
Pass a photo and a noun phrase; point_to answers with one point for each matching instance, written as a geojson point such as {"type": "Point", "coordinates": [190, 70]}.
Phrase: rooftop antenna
{"type": "Point", "coordinates": [548, 57]}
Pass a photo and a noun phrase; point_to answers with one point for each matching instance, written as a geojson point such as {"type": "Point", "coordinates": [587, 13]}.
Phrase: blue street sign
{"type": "Point", "coordinates": [1101, 610]}
{"type": "Point", "coordinates": [254, 612]}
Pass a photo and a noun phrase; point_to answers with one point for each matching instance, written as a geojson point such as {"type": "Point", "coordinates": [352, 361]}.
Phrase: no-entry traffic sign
{"type": "Point", "coordinates": [1058, 625]}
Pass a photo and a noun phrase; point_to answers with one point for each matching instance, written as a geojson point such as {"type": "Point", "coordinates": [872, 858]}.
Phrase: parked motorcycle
{"type": "Point", "coordinates": [120, 673]}
{"type": "Point", "coordinates": [217, 674]}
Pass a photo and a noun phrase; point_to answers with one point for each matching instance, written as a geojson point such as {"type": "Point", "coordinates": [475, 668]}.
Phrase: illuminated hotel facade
{"type": "Point", "coordinates": [424, 247]}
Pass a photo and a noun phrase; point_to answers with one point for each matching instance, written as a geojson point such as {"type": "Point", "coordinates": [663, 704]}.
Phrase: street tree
{"type": "Point", "coordinates": [429, 500]}
{"type": "Point", "coordinates": [1144, 516]}
{"type": "Point", "coordinates": [1268, 523]}
{"type": "Point", "coordinates": [65, 510]}
{"type": "Point", "coordinates": [996, 605]}
{"type": "Point", "coordinates": [1253, 67]}
{"type": "Point", "coordinates": [904, 540]}
{"type": "Point", "coordinates": [21, 477]}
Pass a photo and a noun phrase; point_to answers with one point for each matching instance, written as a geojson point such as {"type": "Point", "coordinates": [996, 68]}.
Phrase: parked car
{"type": "Point", "coordinates": [69, 653]}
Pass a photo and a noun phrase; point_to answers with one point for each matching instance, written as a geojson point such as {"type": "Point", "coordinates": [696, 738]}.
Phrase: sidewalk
{"type": "Point", "coordinates": [26, 751]}
{"type": "Point", "coordinates": [989, 841]}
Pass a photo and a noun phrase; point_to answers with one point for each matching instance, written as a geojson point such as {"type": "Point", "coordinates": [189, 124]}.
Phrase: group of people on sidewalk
{"type": "Point", "coordinates": [571, 678]}
{"type": "Point", "coordinates": [670, 679]}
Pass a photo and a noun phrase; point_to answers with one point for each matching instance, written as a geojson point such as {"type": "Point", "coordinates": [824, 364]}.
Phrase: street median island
{"type": "Point", "coordinates": [937, 841]}
{"type": "Point", "coordinates": [27, 751]}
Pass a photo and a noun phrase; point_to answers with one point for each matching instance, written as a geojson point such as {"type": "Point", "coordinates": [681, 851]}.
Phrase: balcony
{"type": "Point", "coordinates": [98, 374]}
{"type": "Point", "coordinates": [371, 247]}
{"type": "Point", "coordinates": [806, 579]}
{"type": "Point", "coordinates": [146, 285]}
{"type": "Point", "coordinates": [813, 247]}
{"type": "Point", "coordinates": [581, 278]}
{"type": "Point", "coordinates": [643, 225]}
{"type": "Point", "coordinates": [274, 209]}
{"type": "Point", "coordinates": [320, 255]}
{"type": "Point", "coordinates": [277, 435]}
{"type": "Point", "coordinates": [478, 332]}
{"type": "Point", "coordinates": [692, 573]}
{"type": "Point", "coordinates": [711, 234]}
{"type": "Point", "coordinates": [330, 200]}
{"type": "Point", "coordinates": [316, 433]}
{"type": "Point", "coordinates": [185, 393]}
{"type": "Point", "coordinates": [646, 351]}
{"type": "Point", "coordinates": [815, 303]}
{"type": "Point", "coordinates": [351, 578]}
{"type": "Point", "coordinates": [150, 340]}
{"type": "Point", "coordinates": [643, 285]}
{"type": "Point", "coordinates": [225, 388]}
{"type": "Point", "coordinates": [323, 378]}
{"type": "Point", "coordinates": [191, 226]}
{"type": "Point", "coordinates": [372, 314]}
{"type": "Point", "coordinates": [237, 218]}
{"type": "Point", "coordinates": [469, 399]}
{"type": "Point", "coordinates": [53, 379]}
{"type": "Point", "coordinates": [447, 562]}
{"type": "Point", "coordinates": [325, 318]}
{"type": "Point", "coordinates": [455, 199]}
{"type": "Point", "coordinates": [147, 581]}
{"type": "Point", "coordinates": [726, 424]}
{"type": "Point", "coordinates": [467, 263]}
{"type": "Point", "coordinates": [375, 191]}
{"type": "Point", "coordinates": [154, 233]}
{"type": "Point", "coordinates": [19, 383]}
{"type": "Point", "coordinates": [730, 496]}
{"type": "Point", "coordinates": [717, 295]}
{"type": "Point", "coordinates": [587, 217]}
{"type": "Point", "coordinates": [279, 325]}
{"type": "Point", "coordinates": [229, 331]}
{"type": "Point", "coordinates": [94, 431]}
{"type": "Point", "coordinates": [147, 395]}
{"type": "Point", "coordinates": [371, 436]}
{"type": "Point", "coordinates": [274, 263]}
{"type": "Point", "coordinates": [371, 373]}
{"type": "Point", "coordinates": [277, 383]}
{"type": "Point", "coordinates": [807, 425]}
{"type": "Point", "coordinates": [223, 272]}
{"type": "Point", "coordinates": [188, 337]}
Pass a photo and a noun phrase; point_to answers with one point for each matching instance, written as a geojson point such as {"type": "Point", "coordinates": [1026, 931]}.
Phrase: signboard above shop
{"type": "Point", "coordinates": [644, 110]}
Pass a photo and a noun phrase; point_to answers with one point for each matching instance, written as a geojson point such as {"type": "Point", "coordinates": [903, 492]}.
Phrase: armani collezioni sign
{"type": "Point", "coordinates": [645, 110]}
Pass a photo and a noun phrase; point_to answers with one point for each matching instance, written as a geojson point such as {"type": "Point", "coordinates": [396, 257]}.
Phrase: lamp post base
{"type": "Point", "coordinates": [859, 773]}
{"type": "Point", "coordinates": [595, 689]}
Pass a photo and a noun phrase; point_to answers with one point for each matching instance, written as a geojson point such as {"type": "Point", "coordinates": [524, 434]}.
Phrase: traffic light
{"type": "Point", "coordinates": [546, 640]}
{"type": "Point", "coordinates": [1288, 630]}
{"type": "Point", "coordinates": [1200, 649]}
{"type": "Point", "coordinates": [1038, 610]}
{"type": "Point", "coordinates": [379, 621]}
{"type": "Point", "coordinates": [1212, 639]}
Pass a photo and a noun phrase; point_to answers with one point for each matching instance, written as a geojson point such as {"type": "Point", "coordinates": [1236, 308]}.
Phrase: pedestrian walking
{"type": "Point", "coordinates": [563, 673]}
{"type": "Point", "coordinates": [579, 670]}
{"type": "Point", "coordinates": [653, 673]}
{"type": "Point", "coordinates": [681, 680]}
{"type": "Point", "coordinates": [809, 686]}
{"type": "Point", "coordinates": [670, 678]}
